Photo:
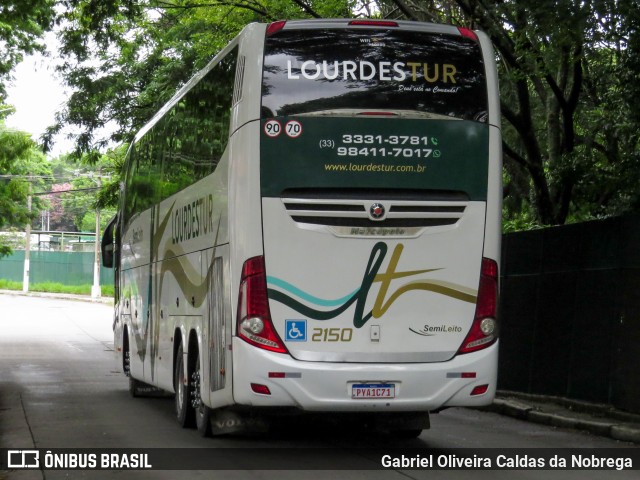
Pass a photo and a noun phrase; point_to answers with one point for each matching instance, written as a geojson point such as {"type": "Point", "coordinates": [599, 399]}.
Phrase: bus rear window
{"type": "Point", "coordinates": [337, 71]}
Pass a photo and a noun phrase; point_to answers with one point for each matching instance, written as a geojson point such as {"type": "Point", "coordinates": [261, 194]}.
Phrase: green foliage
{"type": "Point", "coordinates": [89, 220]}
{"type": "Point", "coordinates": [112, 167]}
{"type": "Point", "coordinates": [149, 49]}
{"type": "Point", "coordinates": [21, 165]}
{"type": "Point", "coordinates": [95, 189]}
{"type": "Point", "coordinates": [51, 287]}
{"type": "Point", "coordinates": [568, 76]}
{"type": "Point", "coordinates": [517, 222]}
{"type": "Point", "coordinates": [13, 145]}
{"type": "Point", "coordinates": [22, 24]}
{"type": "Point", "coordinates": [10, 285]}
{"type": "Point", "coordinates": [569, 92]}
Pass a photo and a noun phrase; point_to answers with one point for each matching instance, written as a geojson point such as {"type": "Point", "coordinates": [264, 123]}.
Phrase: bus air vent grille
{"type": "Point", "coordinates": [358, 212]}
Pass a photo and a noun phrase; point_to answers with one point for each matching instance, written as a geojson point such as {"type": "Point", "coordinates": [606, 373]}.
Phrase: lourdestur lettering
{"type": "Point", "coordinates": [365, 70]}
{"type": "Point", "coordinates": [192, 220]}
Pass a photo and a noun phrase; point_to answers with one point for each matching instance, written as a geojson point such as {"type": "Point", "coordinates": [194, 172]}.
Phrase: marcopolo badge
{"type": "Point", "coordinates": [377, 211]}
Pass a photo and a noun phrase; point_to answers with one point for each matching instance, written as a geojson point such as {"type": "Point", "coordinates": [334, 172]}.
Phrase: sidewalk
{"type": "Point", "coordinates": [602, 420]}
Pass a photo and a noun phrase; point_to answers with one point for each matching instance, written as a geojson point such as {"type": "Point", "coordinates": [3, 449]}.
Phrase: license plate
{"type": "Point", "coordinates": [367, 391]}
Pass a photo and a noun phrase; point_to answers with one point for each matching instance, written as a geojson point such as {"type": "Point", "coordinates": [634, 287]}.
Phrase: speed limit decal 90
{"type": "Point", "coordinates": [273, 128]}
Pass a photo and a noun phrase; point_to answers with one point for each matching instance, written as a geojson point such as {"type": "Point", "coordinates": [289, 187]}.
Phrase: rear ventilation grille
{"type": "Point", "coordinates": [372, 213]}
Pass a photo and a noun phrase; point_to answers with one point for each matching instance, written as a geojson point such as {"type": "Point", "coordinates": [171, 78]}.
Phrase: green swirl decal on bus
{"type": "Point", "coordinates": [384, 299]}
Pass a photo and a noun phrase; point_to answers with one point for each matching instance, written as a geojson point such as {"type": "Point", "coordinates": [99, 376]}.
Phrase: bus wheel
{"type": "Point", "coordinates": [126, 355]}
{"type": "Point", "coordinates": [184, 408]}
{"type": "Point", "coordinates": [134, 385]}
{"type": "Point", "coordinates": [202, 412]}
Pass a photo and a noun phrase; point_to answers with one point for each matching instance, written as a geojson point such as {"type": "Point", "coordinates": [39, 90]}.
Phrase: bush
{"type": "Point", "coordinates": [51, 287]}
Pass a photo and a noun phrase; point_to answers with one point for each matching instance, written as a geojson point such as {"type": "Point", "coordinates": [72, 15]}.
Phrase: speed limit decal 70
{"type": "Point", "coordinates": [293, 128]}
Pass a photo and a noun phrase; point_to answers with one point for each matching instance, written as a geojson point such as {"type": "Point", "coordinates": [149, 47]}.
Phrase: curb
{"type": "Point", "coordinates": [61, 296]}
{"type": "Point", "coordinates": [606, 427]}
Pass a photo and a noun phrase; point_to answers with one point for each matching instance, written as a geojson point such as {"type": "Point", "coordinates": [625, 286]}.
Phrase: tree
{"type": "Point", "coordinates": [112, 167]}
{"type": "Point", "coordinates": [148, 49]}
{"type": "Point", "coordinates": [570, 140]}
{"type": "Point", "coordinates": [567, 69]}
{"type": "Point", "coordinates": [20, 164]}
{"type": "Point", "coordinates": [22, 24]}
{"type": "Point", "coordinates": [95, 188]}
{"type": "Point", "coordinates": [59, 218]}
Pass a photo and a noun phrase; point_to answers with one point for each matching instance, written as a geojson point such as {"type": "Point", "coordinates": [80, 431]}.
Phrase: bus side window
{"type": "Point", "coordinates": [196, 130]}
{"type": "Point", "coordinates": [129, 198]}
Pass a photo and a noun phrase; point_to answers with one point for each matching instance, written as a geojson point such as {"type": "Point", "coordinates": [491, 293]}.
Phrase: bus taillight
{"type": "Point", "coordinates": [484, 330]}
{"type": "Point", "coordinates": [468, 33]}
{"type": "Point", "coordinates": [373, 23]}
{"type": "Point", "coordinates": [275, 27]}
{"type": "Point", "coordinates": [254, 318]}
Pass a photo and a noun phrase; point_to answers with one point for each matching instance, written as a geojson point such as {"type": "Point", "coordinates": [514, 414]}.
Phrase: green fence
{"type": "Point", "coordinates": [67, 268]}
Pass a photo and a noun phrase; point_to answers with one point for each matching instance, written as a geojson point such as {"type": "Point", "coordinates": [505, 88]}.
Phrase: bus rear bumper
{"type": "Point", "coordinates": [326, 386]}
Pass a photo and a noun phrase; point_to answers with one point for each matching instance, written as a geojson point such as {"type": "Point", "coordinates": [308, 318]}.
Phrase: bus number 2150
{"type": "Point", "coordinates": [332, 334]}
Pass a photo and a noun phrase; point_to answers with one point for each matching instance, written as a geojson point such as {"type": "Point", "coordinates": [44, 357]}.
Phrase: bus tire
{"type": "Point", "coordinates": [126, 354]}
{"type": "Point", "coordinates": [134, 385]}
{"type": "Point", "coordinates": [184, 410]}
{"type": "Point", "coordinates": [202, 412]}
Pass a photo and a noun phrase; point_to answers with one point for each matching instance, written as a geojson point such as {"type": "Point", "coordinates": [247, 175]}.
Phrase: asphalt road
{"type": "Point", "coordinates": [59, 388]}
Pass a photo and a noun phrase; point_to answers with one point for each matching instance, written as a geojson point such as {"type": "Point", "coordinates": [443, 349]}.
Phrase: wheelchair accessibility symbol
{"type": "Point", "coordinates": [295, 330]}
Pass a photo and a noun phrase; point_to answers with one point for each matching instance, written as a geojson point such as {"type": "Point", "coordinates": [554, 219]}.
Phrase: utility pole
{"type": "Point", "coordinates": [96, 290]}
{"type": "Point", "coordinates": [27, 247]}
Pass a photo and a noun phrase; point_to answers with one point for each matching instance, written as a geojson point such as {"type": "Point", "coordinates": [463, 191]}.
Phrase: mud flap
{"type": "Point", "coordinates": [225, 421]}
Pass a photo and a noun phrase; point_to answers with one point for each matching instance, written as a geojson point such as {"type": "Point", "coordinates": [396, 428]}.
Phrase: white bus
{"type": "Point", "coordinates": [312, 225]}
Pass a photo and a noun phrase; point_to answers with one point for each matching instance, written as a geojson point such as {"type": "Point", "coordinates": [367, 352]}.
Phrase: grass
{"type": "Point", "coordinates": [52, 287]}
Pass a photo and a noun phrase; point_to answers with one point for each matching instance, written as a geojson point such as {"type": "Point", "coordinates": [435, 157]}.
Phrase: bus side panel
{"type": "Point", "coordinates": [136, 261]}
{"type": "Point", "coordinates": [493, 235]}
{"type": "Point", "coordinates": [138, 328]}
{"type": "Point", "coordinates": [247, 108]}
{"type": "Point", "coordinates": [493, 227]}
{"type": "Point", "coordinates": [245, 215]}
{"type": "Point", "coordinates": [215, 354]}
{"type": "Point", "coordinates": [491, 72]}
{"type": "Point", "coordinates": [189, 224]}
{"type": "Point", "coordinates": [177, 282]}
{"type": "Point", "coordinates": [245, 212]}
